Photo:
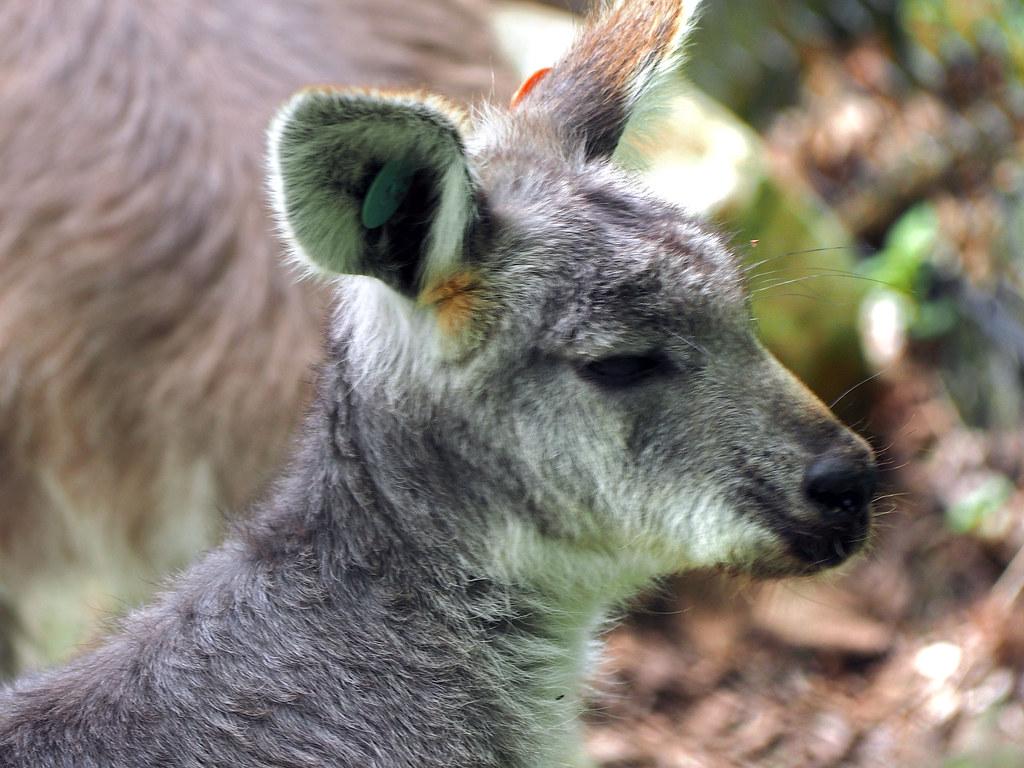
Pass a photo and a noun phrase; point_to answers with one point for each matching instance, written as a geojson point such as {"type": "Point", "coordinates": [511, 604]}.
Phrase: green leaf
{"type": "Point", "coordinates": [970, 512]}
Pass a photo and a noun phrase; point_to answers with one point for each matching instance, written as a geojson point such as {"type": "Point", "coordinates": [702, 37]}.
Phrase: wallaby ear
{"type": "Point", "coordinates": [375, 184]}
{"type": "Point", "coordinates": [621, 55]}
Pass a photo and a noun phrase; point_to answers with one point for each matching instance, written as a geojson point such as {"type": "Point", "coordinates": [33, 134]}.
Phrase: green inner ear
{"type": "Point", "coordinates": [386, 193]}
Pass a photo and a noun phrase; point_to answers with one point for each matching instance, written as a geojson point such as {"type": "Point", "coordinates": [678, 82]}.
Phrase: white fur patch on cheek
{"type": "Point", "coordinates": [696, 528]}
{"type": "Point", "coordinates": [720, 536]}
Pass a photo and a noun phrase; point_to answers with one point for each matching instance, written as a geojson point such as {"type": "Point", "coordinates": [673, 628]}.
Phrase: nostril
{"type": "Point", "coordinates": [840, 484]}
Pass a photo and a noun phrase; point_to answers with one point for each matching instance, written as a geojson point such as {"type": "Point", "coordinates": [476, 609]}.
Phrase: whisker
{"type": "Point", "coordinates": [859, 384]}
{"type": "Point", "coordinates": [818, 275]}
{"type": "Point", "coordinates": [890, 468]}
{"type": "Point", "coordinates": [802, 269]}
{"type": "Point", "coordinates": [883, 513]}
{"type": "Point", "coordinates": [818, 298]}
{"type": "Point", "coordinates": [789, 269]}
{"type": "Point", "coordinates": [898, 495]}
{"type": "Point", "coordinates": [884, 448]}
{"type": "Point", "coordinates": [750, 267]}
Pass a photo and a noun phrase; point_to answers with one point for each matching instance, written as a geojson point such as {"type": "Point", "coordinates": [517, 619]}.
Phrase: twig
{"type": "Point", "coordinates": [1009, 586]}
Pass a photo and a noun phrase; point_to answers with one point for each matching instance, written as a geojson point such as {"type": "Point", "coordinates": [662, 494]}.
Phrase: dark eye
{"type": "Point", "coordinates": [624, 370]}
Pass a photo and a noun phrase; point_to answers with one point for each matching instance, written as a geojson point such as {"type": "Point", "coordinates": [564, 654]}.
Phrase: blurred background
{"type": "Point", "coordinates": [867, 159]}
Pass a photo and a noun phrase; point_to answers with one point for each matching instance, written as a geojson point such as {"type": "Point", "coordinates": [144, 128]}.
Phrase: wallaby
{"type": "Point", "coordinates": [154, 354]}
{"type": "Point", "coordinates": [542, 391]}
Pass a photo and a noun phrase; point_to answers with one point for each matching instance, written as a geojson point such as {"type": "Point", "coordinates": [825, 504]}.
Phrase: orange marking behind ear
{"type": "Point", "coordinates": [456, 299]}
{"type": "Point", "coordinates": [527, 86]}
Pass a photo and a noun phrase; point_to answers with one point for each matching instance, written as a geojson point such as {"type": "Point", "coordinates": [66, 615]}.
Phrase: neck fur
{"type": "Point", "coordinates": [525, 606]}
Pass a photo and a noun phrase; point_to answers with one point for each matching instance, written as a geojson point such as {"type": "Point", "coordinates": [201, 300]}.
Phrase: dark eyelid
{"type": "Point", "coordinates": [621, 371]}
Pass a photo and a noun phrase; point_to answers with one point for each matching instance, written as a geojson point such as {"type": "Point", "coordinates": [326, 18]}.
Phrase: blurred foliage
{"type": "Point", "coordinates": [909, 244]}
{"type": "Point", "coordinates": [903, 267]}
{"type": "Point", "coordinates": [947, 30]}
{"type": "Point", "coordinates": [970, 513]}
{"type": "Point", "coordinates": [749, 56]}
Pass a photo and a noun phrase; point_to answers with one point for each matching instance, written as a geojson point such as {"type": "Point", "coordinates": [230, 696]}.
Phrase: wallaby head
{"type": "Point", "coordinates": [543, 391]}
{"type": "Point", "coordinates": [590, 346]}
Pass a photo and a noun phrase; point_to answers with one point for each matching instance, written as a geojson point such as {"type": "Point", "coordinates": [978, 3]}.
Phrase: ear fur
{"type": "Point", "coordinates": [622, 54]}
{"type": "Point", "coordinates": [327, 147]}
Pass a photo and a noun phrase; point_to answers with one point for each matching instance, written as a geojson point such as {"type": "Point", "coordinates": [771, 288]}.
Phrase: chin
{"type": "Point", "coordinates": [786, 562]}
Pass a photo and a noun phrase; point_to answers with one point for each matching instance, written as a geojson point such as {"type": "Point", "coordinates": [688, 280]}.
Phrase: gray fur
{"type": "Point", "coordinates": [465, 505]}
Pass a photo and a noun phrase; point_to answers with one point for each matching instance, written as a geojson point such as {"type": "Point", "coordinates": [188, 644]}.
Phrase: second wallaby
{"type": "Point", "coordinates": [542, 391]}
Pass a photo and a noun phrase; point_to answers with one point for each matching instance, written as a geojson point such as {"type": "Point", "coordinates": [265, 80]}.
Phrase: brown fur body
{"type": "Point", "coordinates": [153, 352]}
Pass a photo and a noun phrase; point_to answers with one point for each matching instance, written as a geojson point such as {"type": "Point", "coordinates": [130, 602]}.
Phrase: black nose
{"type": "Point", "coordinates": [841, 486]}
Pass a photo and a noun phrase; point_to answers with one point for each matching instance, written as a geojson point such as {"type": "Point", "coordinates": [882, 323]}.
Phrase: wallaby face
{"type": "Point", "coordinates": [584, 349]}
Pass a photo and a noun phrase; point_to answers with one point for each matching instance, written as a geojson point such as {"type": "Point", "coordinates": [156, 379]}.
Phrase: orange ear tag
{"type": "Point", "coordinates": [527, 86]}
